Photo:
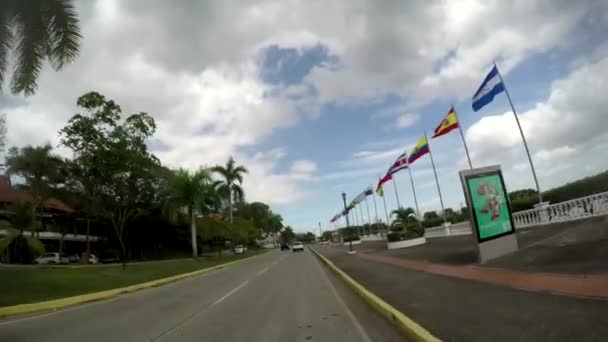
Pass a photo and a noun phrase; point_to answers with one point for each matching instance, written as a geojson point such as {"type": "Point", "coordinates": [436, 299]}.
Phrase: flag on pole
{"type": "Point", "coordinates": [368, 191]}
{"type": "Point", "coordinates": [381, 181]}
{"type": "Point", "coordinates": [492, 85]}
{"type": "Point", "coordinates": [421, 148]}
{"type": "Point", "coordinates": [449, 123]}
{"type": "Point", "coordinates": [335, 218]}
{"type": "Point", "coordinates": [399, 164]}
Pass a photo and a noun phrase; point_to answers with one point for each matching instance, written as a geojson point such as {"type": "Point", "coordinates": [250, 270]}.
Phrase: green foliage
{"type": "Point", "coordinates": [36, 31]}
{"type": "Point", "coordinates": [326, 236]}
{"type": "Point", "coordinates": [114, 159]}
{"type": "Point", "coordinates": [287, 235]}
{"type": "Point", "coordinates": [308, 237]}
{"type": "Point", "coordinates": [395, 236]}
{"type": "Point", "coordinates": [350, 234]}
{"type": "Point", "coordinates": [227, 187]}
{"type": "Point", "coordinates": [41, 170]}
{"type": "Point", "coordinates": [580, 188]}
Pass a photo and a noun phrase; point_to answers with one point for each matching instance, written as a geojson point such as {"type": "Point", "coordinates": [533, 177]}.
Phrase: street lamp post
{"type": "Point", "coordinates": [350, 244]}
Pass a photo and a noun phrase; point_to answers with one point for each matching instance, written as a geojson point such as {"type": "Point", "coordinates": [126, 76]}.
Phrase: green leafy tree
{"type": "Point", "coordinates": [231, 174]}
{"type": "Point", "coordinates": [35, 31]}
{"type": "Point", "coordinates": [39, 167]}
{"type": "Point", "coordinates": [287, 235]}
{"type": "Point", "coordinates": [116, 158]}
{"type": "Point", "coordinates": [21, 219]}
{"type": "Point", "coordinates": [189, 190]}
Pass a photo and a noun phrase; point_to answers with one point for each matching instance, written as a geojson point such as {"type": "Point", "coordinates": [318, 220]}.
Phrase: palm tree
{"type": "Point", "coordinates": [188, 190]}
{"type": "Point", "coordinates": [21, 219]}
{"type": "Point", "coordinates": [231, 174]}
{"type": "Point", "coordinates": [35, 30]}
{"type": "Point", "coordinates": [403, 217]}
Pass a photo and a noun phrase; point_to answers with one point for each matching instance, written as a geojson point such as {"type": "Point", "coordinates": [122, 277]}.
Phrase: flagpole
{"type": "Point", "coordinates": [385, 212]}
{"type": "Point", "coordinates": [396, 192]}
{"type": "Point", "coordinates": [362, 218]}
{"type": "Point", "coordinates": [369, 217]}
{"type": "Point", "coordinates": [464, 142]}
{"type": "Point", "coordinates": [375, 206]}
{"type": "Point", "coordinates": [409, 169]}
{"type": "Point", "coordinates": [436, 179]}
{"type": "Point", "coordinates": [523, 137]}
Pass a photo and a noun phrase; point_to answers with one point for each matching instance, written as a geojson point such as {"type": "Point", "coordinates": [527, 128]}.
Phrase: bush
{"type": "Point", "coordinates": [395, 236]}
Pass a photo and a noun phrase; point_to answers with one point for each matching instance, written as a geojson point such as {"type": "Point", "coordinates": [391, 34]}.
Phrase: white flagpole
{"type": "Point", "coordinates": [375, 206]}
{"type": "Point", "coordinates": [464, 142]}
{"type": "Point", "coordinates": [436, 179]}
{"type": "Point", "coordinates": [409, 169]}
{"type": "Point", "coordinates": [385, 212]}
{"type": "Point", "coordinates": [362, 218]}
{"type": "Point", "coordinates": [523, 137]}
{"type": "Point", "coordinates": [369, 217]}
{"type": "Point", "coordinates": [396, 192]}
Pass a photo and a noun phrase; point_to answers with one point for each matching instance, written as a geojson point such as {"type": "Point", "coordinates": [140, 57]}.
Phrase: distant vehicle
{"type": "Point", "coordinates": [284, 247]}
{"type": "Point", "coordinates": [239, 249]}
{"type": "Point", "coordinates": [297, 246]}
{"type": "Point", "coordinates": [52, 258]}
{"type": "Point", "coordinates": [109, 259]}
{"type": "Point", "coordinates": [74, 258]}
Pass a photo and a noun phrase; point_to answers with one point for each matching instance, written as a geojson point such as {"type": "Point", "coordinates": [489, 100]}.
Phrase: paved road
{"type": "Point", "coordinates": [273, 297]}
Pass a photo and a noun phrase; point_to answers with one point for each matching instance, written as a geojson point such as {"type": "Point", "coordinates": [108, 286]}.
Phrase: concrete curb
{"type": "Point", "coordinates": [404, 323]}
{"type": "Point", "coordinates": [57, 304]}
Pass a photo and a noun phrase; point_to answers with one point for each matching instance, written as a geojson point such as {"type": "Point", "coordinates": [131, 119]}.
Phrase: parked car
{"type": "Point", "coordinates": [109, 258]}
{"type": "Point", "coordinates": [297, 246]}
{"type": "Point", "coordinates": [284, 247]}
{"type": "Point", "coordinates": [52, 258]}
{"type": "Point", "coordinates": [239, 249]}
{"type": "Point", "coordinates": [74, 258]}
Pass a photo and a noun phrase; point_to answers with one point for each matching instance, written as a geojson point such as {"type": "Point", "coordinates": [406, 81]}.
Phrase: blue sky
{"type": "Point", "coordinates": [316, 98]}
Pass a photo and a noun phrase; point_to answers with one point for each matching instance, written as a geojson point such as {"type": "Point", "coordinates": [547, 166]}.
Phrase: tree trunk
{"type": "Point", "coordinates": [193, 232]}
{"type": "Point", "coordinates": [230, 202]}
{"type": "Point", "coordinates": [61, 242]}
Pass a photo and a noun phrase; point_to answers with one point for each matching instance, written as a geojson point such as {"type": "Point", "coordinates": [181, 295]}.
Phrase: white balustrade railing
{"type": "Point", "coordinates": [576, 209]}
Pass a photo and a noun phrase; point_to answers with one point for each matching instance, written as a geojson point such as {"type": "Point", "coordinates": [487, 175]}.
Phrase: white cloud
{"type": "Point", "coordinates": [407, 120]}
{"type": "Point", "coordinates": [303, 169]}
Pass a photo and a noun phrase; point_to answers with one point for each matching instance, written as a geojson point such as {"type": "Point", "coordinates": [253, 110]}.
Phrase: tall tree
{"type": "Point", "coordinates": [20, 220]}
{"type": "Point", "coordinates": [39, 167]}
{"type": "Point", "coordinates": [404, 217]}
{"type": "Point", "coordinates": [189, 190]}
{"type": "Point", "coordinates": [230, 174]}
{"type": "Point", "coordinates": [116, 158]}
{"type": "Point", "coordinates": [36, 30]}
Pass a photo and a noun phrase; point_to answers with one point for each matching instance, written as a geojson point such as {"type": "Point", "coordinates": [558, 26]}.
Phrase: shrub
{"type": "Point", "coordinates": [395, 236]}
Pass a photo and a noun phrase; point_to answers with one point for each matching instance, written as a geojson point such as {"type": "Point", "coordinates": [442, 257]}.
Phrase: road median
{"type": "Point", "coordinates": [61, 303]}
{"type": "Point", "coordinates": [404, 323]}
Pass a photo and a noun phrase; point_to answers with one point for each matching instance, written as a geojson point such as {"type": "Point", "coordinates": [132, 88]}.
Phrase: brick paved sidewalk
{"type": "Point", "coordinates": [574, 285]}
{"type": "Point", "coordinates": [455, 308]}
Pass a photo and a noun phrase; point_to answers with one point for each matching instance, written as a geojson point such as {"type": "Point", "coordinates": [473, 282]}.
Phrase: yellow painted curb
{"type": "Point", "coordinates": [61, 303]}
{"type": "Point", "coordinates": [404, 323]}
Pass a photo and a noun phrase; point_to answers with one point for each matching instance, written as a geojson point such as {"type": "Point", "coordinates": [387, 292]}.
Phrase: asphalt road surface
{"type": "Point", "coordinates": [278, 296]}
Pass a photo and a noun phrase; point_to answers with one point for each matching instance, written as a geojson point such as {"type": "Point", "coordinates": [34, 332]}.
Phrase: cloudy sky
{"type": "Point", "coordinates": [319, 97]}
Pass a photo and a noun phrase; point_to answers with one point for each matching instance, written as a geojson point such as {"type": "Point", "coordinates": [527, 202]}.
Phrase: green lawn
{"type": "Point", "coordinates": [28, 284]}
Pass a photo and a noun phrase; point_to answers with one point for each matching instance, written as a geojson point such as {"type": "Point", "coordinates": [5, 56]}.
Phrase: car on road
{"type": "Point", "coordinates": [297, 246]}
{"type": "Point", "coordinates": [284, 247]}
{"type": "Point", "coordinates": [52, 258]}
{"type": "Point", "coordinates": [239, 249]}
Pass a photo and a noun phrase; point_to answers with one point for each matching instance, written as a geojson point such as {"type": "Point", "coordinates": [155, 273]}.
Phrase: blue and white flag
{"type": "Point", "coordinates": [490, 87]}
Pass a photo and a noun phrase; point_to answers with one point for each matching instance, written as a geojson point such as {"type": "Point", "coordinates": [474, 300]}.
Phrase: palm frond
{"type": "Point", "coordinates": [239, 194]}
{"type": "Point", "coordinates": [30, 49]}
{"type": "Point", "coordinates": [6, 37]}
{"type": "Point", "coordinates": [63, 31]}
{"type": "Point", "coordinates": [34, 244]}
{"type": "Point", "coordinates": [11, 234]}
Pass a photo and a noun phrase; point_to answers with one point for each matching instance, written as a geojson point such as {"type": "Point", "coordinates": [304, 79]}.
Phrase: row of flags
{"type": "Point", "coordinates": [491, 86]}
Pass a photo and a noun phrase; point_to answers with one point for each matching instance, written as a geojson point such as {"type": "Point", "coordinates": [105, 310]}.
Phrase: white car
{"type": "Point", "coordinates": [239, 249]}
{"type": "Point", "coordinates": [297, 246]}
{"type": "Point", "coordinates": [52, 258]}
{"type": "Point", "coordinates": [93, 259]}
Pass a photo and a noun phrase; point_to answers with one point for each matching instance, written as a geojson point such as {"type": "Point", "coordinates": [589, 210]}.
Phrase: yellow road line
{"type": "Point", "coordinates": [61, 303]}
{"type": "Point", "coordinates": [404, 323]}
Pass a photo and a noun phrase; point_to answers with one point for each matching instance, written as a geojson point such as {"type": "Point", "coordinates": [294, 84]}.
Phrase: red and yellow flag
{"type": "Point", "coordinates": [449, 123]}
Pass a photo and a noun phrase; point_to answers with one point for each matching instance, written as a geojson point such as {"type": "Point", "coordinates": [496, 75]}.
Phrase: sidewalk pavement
{"type": "Point", "coordinates": [454, 308]}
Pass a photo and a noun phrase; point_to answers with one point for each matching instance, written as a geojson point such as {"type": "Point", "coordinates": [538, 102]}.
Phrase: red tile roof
{"type": "Point", "coordinates": [10, 195]}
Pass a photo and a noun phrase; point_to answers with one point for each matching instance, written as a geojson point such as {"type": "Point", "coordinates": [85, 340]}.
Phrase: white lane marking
{"type": "Point", "coordinates": [228, 294]}
{"type": "Point", "coordinates": [263, 271]}
{"type": "Point", "coordinates": [364, 336]}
